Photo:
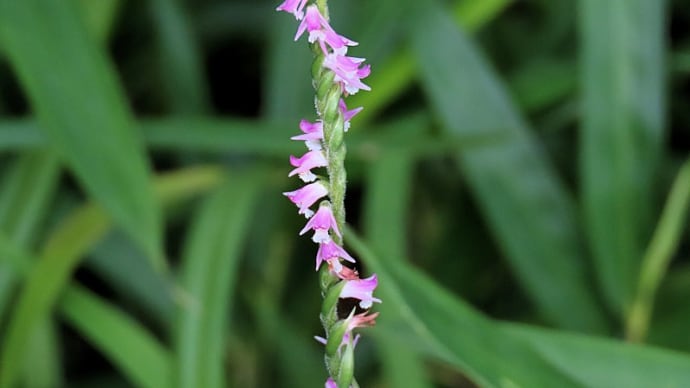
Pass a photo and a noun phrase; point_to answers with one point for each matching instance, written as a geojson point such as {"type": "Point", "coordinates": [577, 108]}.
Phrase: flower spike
{"type": "Point", "coordinates": [335, 75]}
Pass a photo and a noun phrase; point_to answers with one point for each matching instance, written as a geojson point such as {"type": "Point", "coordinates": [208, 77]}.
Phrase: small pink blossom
{"type": "Point", "coordinates": [307, 196]}
{"type": "Point", "coordinates": [361, 289]}
{"type": "Point", "coordinates": [361, 320]}
{"type": "Point", "coordinates": [313, 22]}
{"type": "Point", "coordinates": [312, 134]}
{"type": "Point", "coordinates": [319, 30]}
{"type": "Point", "coordinates": [347, 114]}
{"type": "Point", "coordinates": [348, 72]}
{"type": "Point", "coordinates": [311, 159]}
{"type": "Point", "coordinates": [321, 223]}
{"type": "Point", "coordinates": [330, 252]}
{"type": "Point", "coordinates": [330, 383]}
{"type": "Point", "coordinates": [294, 7]}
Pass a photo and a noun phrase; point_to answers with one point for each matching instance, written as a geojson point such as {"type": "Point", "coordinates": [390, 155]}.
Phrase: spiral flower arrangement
{"type": "Point", "coordinates": [335, 76]}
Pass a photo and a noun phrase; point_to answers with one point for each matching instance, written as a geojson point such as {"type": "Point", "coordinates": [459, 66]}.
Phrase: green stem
{"type": "Point", "coordinates": [328, 94]}
{"type": "Point", "coordinates": [658, 255]}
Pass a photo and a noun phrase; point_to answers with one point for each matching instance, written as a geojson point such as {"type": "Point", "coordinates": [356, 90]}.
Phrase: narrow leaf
{"type": "Point", "coordinates": [180, 58]}
{"type": "Point", "coordinates": [82, 110]}
{"type": "Point", "coordinates": [622, 133]}
{"type": "Point", "coordinates": [512, 179]}
{"type": "Point", "coordinates": [60, 256]}
{"type": "Point", "coordinates": [430, 319]}
{"type": "Point", "coordinates": [208, 274]}
{"type": "Point", "coordinates": [385, 219]}
{"type": "Point", "coordinates": [400, 70]}
{"type": "Point", "coordinates": [25, 195]}
{"type": "Point", "coordinates": [123, 341]}
{"type": "Point", "coordinates": [659, 254]}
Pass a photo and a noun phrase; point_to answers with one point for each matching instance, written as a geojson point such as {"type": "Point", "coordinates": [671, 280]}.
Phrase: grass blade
{"type": "Point", "coordinates": [208, 274]}
{"type": "Point", "coordinates": [42, 364]}
{"type": "Point", "coordinates": [83, 111]}
{"type": "Point", "coordinates": [25, 195]}
{"type": "Point", "coordinates": [26, 192]}
{"type": "Point", "coordinates": [100, 17]}
{"type": "Point", "coordinates": [401, 68]}
{"type": "Point", "coordinates": [122, 340]}
{"type": "Point", "coordinates": [385, 220]}
{"type": "Point", "coordinates": [511, 178]}
{"type": "Point", "coordinates": [288, 88]}
{"type": "Point", "coordinates": [622, 133]}
{"type": "Point", "coordinates": [118, 262]}
{"type": "Point", "coordinates": [435, 322]}
{"type": "Point", "coordinates": [659, 254]}
{"type": "Point", "coordinates": [180, 60]}
{"type": "Point", "coordinates": [61, 254]}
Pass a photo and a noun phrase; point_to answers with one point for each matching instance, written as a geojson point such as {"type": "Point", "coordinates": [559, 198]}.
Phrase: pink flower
{"type": "Point", "coordinates": [330, 383]}
{"type": "Point", "coordinates": [294, 7]}
{"type": "Point", "coordinates": [306, 196]}
{"type": "Point", "coordinates": [321, 222]}
{"type": "Point", "coordinates": [348, 71]}
{"type": "Point", "coordinates": [319, 30]}
{"type": "Point", "coordinates": [347, 114]}
{"type": "Point", "coordinates": [361, 320]}
{"type": "Point", "coordinates": [311, 159]}
{"type": "Point", "coordinates": [313, 134]}
{"type": "Point", "coordinates": [312, 23]}
{"type": "Point", "coordinates": [361, 289]}
{"type": "Point", "coordinates": [330, 252]}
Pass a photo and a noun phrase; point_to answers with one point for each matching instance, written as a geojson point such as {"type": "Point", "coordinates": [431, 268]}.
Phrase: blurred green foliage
{"type": "Point", "coordinates": [519, 180]}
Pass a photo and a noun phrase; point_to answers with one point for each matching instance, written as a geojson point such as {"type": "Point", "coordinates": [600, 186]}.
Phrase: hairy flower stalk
{"type": "Point", "coordinates": [335, 75]}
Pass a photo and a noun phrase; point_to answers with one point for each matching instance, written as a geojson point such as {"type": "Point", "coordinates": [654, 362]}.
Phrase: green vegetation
{"type": "Point", "coordinates": [519, 180]}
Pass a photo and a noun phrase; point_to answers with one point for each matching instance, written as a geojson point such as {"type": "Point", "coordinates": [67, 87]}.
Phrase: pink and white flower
{"type": "Point", "coordinates": [307, 196]}
{"type": "Point", "coordinates": [347, 114]}
{"type": "Point", "coordinates": [319, 30]}
{"type": "Point", "coordinates": [361, 289]}
{"type": "Point", "coordinates": [348, 71]}
{"type": "Point", "coordinates": [331, 252]}
{"type": "Point", "coordinates": [312, 134]}
{"type": "Point", "coordinates": [311, 159]}
{"type": "Point", "coordinates": [321, 223]}
{"type": "Point", "coordinates": [295, 7]}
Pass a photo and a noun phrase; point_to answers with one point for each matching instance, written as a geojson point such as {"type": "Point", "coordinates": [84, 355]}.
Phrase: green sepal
{"type": "Point", "coordinates": [347, 365]}
{"type": "Point", "coordinates": [317, 64]}
{"type": "Point", "coordinates": [335, 142]}
{"type": "Point", "coordinates": [331, 110]}
{"type": "Point", "coordinates": [335, 337]}
{"type": "Point", "coordinates": [326, 279]}
{"type": "Point", "coordinates": [329, 309]}
{"type": "Point", "coordinates": [325, 83]}
{"type": "Point", "coordinates": [332, 365]}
